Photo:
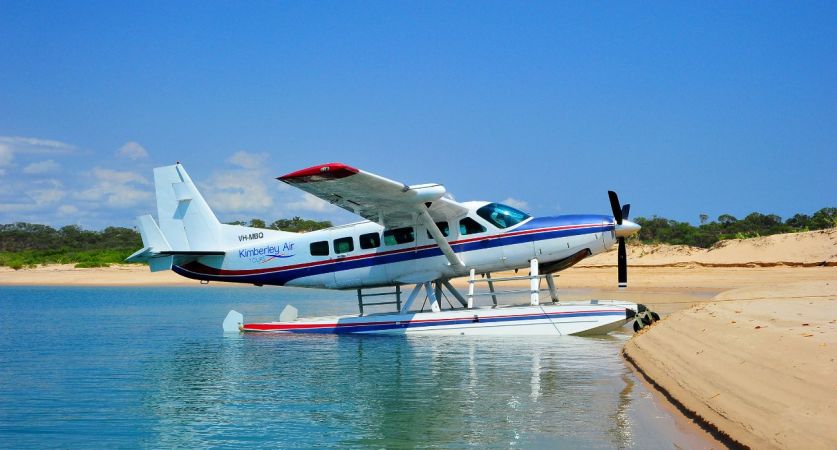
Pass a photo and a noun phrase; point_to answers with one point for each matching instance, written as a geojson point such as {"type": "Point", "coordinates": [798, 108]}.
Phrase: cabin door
{"type": "Point", "coordinates": [345, 250]}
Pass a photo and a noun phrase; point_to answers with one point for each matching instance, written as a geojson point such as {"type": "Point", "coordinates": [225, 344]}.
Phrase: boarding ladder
{"type": "Point", "coordinates": [361, 295]}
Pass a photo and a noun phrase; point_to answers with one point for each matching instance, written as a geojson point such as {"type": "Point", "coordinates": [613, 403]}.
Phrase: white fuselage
{"type": "Point", "coordinates": [297, 259]}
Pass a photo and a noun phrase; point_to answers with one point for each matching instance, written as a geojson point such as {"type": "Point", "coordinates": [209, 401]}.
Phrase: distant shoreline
{"type": "Point", "coordinates": [684, 276]}
{"type": "Point", "coordinates": [809, 250]}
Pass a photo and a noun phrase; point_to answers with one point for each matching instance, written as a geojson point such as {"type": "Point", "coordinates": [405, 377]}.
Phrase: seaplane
{"type": "Point", "coordinates": [412, 237]}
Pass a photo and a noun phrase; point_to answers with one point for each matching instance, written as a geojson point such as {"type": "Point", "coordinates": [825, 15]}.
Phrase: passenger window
{"type": "Point", "coordinates": [319, 248]}
{"type": "Point", "coordinates": [399, 236]}
{"type": "Point", "coordinates": [470, 226]}
{"type": "Point", "coordinates": [370, 240]}
{"type": "Point", "coordinates": [344, 245]}
{"type": "Point", "coordinates": [443, 227]}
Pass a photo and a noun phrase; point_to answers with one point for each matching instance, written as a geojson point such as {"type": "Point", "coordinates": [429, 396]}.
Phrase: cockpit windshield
{"type": "Point", "coordinates": [502, 216]}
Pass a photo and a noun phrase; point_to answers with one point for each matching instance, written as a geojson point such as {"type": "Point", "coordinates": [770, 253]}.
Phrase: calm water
{"type": "Point", "coordinates": [150, 367]}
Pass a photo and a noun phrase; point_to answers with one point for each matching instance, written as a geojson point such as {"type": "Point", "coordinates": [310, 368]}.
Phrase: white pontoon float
{"type": "Point", "coordinates": [551, 318]}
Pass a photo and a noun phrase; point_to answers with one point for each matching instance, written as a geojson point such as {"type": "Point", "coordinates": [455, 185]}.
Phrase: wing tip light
{"type": "Point", "coordinates": [322, 172]}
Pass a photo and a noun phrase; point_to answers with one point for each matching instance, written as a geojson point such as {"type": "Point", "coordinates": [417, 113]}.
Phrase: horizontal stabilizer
{"type": "Point", "coordinates": [160, 263]}
{"type": "Point", "coordinates": [140, 255]}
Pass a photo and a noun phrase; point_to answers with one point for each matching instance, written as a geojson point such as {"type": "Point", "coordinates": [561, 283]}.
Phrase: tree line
{"type": "Point", "coordinates": [295, 225]}
{"type": "Point", "coordinates": [27, 244]}
{"type": "Point", "coordinates": [662, 230]}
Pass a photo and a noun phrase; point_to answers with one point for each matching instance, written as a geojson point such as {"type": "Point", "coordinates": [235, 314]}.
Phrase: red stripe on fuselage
{"type": "Point", "coordinates": [207, 270]}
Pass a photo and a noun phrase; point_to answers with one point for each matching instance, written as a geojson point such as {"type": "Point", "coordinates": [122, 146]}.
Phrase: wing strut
{"type": "Point", "coordinates": [439, 238]}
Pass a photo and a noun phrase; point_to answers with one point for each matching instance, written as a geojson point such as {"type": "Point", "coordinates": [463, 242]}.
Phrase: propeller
{"type": "Point", "coordinates": [624, 228]}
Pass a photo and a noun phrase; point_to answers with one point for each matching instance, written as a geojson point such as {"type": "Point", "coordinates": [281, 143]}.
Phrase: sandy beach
{"type": "Point", "coordinates": [757, 363]}
{"type": "Point", "coordinates": [747, 344]}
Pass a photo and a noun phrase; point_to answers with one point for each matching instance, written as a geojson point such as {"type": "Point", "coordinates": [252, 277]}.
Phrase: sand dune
{"type": "Point", "coordinates": [812, 248]}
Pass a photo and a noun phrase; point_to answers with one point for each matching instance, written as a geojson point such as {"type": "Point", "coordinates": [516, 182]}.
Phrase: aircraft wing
{"type": "Point", "coordinates": [373, 197]}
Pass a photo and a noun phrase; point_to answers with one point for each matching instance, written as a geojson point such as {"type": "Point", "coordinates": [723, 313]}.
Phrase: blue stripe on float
{"type": "Point", "coordinates": [359, 328]}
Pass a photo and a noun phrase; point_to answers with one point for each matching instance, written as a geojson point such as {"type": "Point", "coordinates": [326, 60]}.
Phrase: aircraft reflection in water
{"type": "Point", "coordinates": [385, 392]}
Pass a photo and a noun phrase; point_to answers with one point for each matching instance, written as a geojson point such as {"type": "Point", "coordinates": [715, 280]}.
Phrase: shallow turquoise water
{"type": "Point", "coordinates": [150, 367]}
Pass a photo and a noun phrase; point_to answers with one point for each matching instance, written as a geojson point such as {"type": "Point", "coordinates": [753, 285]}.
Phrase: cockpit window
{"type": "Point", "coordinates": [502, 216]}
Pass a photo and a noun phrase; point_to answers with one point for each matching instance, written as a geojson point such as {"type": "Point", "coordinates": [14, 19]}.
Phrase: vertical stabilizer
{"type": "Point", "coordinates": [186, 221]}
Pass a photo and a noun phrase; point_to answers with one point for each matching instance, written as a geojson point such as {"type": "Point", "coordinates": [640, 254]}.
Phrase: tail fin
{"type": "Point", "coordinates": [188, 228]}
{"type": "Point", "coordinates": [180, 207]}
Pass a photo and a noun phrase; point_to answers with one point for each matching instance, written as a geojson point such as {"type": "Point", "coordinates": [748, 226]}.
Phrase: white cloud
{"type": "Point", "coordinates": [41, 167]}
{"type": "Point", "coordinates": [119, 176]}
{"type": "Point", "coordinates": [133, 151]}
{"type": "Point", "coordinates": [243, 190]}
{"type": "Point", "coordinates": [247, 160]}
{"type": "Point", "coordinates": [6, 157]}
{"type": "Point", "coordinates": [116, 188]}
{"type": "Point", "coordinates": [238, 191]}
{"type": "Point", "coordinates": [98, 193]}
{"type": "Point", "coordinates": [12, 145]}
{"type": "Point", "coordinates": [515, 203]}
{"type": "Point", "coordinates": [32, 197]}
{"type": "Point", "coordinates": [36, 143]}
{"type": "Point", "coordinates": [67, 210]}
{"type": "Point", "coordinates": [309, 202]}
{"type": "Point", "coordinates": [48, 195]}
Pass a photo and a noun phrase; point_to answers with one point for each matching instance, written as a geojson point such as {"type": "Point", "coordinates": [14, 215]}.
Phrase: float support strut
{"type": "Point", "coordinates": [455, 293]}
{"type": "Point", "coordinates": [411, 298]}
{"type": "Point", "coordinates": [431, 294]}
{"type": "Point", "coordinates": [491, 288]}
{"type": "Point", "coordinates": [552, 291]}
{"type": "Point", "coordinates": [534, 289]}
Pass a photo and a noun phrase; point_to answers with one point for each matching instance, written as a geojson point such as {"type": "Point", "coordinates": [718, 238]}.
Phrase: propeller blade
{"type": "Point", "coordinates": [622, 262]}
{"type": "Point", "coordinates": [614, 205]}
{"type": "Point", "coordinates": [626, 211]}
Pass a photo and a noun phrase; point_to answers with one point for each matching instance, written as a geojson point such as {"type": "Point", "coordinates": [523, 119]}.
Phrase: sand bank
{"type": "Point", "coordinates": [758, 363]}
{"type": "Point", "coordinates": [808, 249]}
{"type": "Point", "coordinates": [68, 275]}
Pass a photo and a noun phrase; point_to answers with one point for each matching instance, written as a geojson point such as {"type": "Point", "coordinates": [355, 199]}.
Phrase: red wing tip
{"type": "Point", "coordinates": [330, 171]}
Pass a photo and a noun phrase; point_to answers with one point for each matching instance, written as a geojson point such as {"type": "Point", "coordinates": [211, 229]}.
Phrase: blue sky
{"type": "Point", "coordinates": [682, 107]}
